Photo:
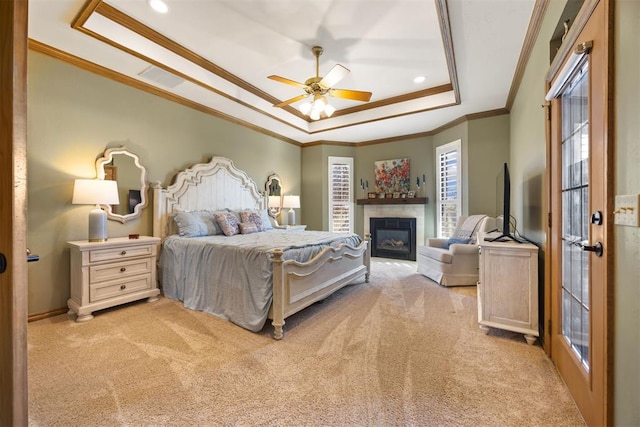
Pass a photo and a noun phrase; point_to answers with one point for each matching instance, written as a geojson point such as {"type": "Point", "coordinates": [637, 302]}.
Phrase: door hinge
{"type": "Point", "coordinates": [549, 220]}
{"type": "Point", "coordinates": [549, 325]}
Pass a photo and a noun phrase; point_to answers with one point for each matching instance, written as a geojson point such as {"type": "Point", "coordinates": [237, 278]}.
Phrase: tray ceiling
{"type": "Point", "coordinates": [216, 55]}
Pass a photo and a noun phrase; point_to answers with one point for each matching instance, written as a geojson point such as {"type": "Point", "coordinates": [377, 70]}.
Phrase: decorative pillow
{"type": "Point", "coordinates": [190, 224]}
{"type": "Point", "coordinates": [254, 217]}
{"type": "Point", "coordinates": [228, 222]}
{"type": "Point", "coordinates": [453, 240]}
{"type": "Point", "coordinates": [212, 219]}
{"type": "Point", "coordinates": [248, 228]}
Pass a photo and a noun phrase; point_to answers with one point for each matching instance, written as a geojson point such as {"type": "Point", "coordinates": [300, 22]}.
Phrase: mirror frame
{"type": "Point", "coordinates": [273, 212]}
{"type": "Point", "coordinates": [100, 172]}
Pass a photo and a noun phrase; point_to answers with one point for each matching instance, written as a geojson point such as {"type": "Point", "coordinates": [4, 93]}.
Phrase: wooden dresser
{"type": "Point", "coordinates": [508, 287]}
{"type": "Point", "coordinates": [106, 274]}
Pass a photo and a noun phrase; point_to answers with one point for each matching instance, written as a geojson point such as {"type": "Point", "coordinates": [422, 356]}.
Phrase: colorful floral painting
{"type": "Point", "coordinates": [392, 176]}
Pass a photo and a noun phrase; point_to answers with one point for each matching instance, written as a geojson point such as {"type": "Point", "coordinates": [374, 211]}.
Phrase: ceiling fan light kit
{"type": "Point", "coordinates": [317, 87]}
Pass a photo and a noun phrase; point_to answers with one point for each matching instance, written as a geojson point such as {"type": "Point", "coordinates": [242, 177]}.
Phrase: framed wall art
{"type": "Point", "coordinates": [392, 176]}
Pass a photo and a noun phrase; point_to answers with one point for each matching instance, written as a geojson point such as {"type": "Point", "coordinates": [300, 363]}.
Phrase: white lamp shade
{"type": "Point", "coordinates": [274, 202]}
{"type": "Point", "coordinates": [291, 202]}
{"type": "Point", "coordinates": [96, 192]}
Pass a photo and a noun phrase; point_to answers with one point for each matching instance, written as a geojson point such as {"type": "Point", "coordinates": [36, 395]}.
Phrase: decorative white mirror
{"type": "Point", "coordinates": [123, 166]}
{"type": "Point", "coordinates": [274, 192]}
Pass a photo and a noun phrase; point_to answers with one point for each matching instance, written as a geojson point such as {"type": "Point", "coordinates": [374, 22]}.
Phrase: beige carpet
{"type": "Point", "coordinates": [399, 351]}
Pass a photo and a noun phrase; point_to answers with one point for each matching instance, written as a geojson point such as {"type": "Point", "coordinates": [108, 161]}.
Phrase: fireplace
{"type": "Point", "coordinates": [393, 238]}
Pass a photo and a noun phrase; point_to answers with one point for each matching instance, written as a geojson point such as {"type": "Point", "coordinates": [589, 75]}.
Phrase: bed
{"type": "Point", "coordinates": [247, 278]}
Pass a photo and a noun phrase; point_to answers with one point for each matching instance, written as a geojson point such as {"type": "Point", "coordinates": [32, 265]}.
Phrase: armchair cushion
{"type": "Point", "coordinates": [460, 240]}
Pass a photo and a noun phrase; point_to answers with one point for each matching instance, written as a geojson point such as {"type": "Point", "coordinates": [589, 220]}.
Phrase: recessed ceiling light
{"type": "Point", "coordinates": [419, 79]}
{"type": "Point", "coordinates": [158, 5]}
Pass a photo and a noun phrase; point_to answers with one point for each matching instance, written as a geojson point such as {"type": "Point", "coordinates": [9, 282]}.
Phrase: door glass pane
{"type": "Point", "coordinates": [575, 214]}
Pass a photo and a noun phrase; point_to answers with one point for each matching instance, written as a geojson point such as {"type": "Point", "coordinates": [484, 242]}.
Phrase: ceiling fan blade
{"type": "Point", "coordinates": [291, 101]}
{"type": "Point", "coordinates": [287, 81]}
{"type": "Point", "coordinates": [355, 95]}
{"type": "Point", "coordinates": [337, 73]}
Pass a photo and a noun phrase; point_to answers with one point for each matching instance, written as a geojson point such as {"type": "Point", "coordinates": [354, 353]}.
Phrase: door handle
{"type": "Point", "coordinates": [3, 263]}
{"type": "Point", "coordinates": [597, 249]}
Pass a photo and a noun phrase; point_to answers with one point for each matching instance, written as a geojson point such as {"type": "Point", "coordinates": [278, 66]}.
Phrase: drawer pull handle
{"type": "Point", "coordinates": [123, 253]}
{"type": "Point", "coordinates": [123, 287]}
{"type": "Point", "coordinates": [123, 269]}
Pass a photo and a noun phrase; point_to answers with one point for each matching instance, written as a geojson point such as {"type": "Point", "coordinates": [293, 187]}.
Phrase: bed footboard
{"type": "Point", "coordinates": [297, 285]}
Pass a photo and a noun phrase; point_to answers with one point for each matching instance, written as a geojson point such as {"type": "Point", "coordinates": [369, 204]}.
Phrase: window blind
{"type": "Point", "coordinates": [340, 195]}
{"type": "Point", "coordinates": [448, 188]}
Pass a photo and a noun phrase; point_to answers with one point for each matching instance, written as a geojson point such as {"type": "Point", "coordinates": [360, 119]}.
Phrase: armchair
{"type": "Point", "coordinates": [454, 261]}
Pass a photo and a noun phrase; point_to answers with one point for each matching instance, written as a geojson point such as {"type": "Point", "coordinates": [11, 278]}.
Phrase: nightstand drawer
{"type": "Point", "coordinates": [115, 288]}
{"type": "Point", "coordinates": [98, 255]}
{"type": "Point", "coordinates": [124, 269]}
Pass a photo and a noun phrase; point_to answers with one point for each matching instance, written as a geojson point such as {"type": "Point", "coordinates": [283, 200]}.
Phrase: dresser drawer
{"type": "Point", "coordinates": [111, 254]}
{"type": "Point", "coordinates": [120, 270]}
{"type": "Point", "coordinates": [115, 288]}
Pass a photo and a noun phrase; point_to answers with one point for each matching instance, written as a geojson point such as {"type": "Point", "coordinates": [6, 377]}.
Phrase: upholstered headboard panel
{"type": "Point", "coordinates": [215, 185]}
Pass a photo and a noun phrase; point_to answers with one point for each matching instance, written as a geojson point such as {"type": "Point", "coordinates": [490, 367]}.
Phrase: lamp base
{"type": "Point", "coordinates": [291, 219]}
{"type": "Point", "coordinates": [97, 225]}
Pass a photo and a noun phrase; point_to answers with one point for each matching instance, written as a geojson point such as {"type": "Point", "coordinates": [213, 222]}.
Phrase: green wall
{"type": "Point", "coordinates": [627, 239]}
{"type": "Point", "coordinates": [315, 182]}
{"type": "Point", "coordinates": [74, 115]}
{"type": "Point", "coordinates": [487, 151]}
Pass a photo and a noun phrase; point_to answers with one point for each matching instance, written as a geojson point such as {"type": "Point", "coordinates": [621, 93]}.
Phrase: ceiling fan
{"type": "Point", "coordinates": [317, 87]}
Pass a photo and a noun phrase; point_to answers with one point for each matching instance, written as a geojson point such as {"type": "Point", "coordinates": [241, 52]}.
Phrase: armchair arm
{"type": "Point", "coordinates": [437, 243]}
{"type": "Point", "coordinates": [463, 249]}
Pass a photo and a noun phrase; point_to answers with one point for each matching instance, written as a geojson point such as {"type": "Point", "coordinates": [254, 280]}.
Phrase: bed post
{"type": "Point", "coordinates": [158, 210]}
{"type": "Point", "coordinates": [278, 295]}
{"type": "Point", "coordinates": [367, 257]}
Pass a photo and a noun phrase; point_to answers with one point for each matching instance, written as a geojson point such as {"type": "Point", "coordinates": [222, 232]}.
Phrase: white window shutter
{"type": "Point", "coordinates": [449, 187]}
{"type": "Point", "coordinates": [341, 194]}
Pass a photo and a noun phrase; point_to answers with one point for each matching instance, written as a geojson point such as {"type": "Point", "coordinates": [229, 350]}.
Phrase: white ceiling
{"type": "Point", "coordinates": [223, 51]}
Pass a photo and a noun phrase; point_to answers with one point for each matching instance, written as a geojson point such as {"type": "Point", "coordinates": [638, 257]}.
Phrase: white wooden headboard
{"type": "Point", "coordinates": [215, 185]}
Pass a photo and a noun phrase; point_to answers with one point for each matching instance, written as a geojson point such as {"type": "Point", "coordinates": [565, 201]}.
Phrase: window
{"type": "Point", "coordinates": [449, 192]}
{"type": "Point", "coordinates": [340, 194]}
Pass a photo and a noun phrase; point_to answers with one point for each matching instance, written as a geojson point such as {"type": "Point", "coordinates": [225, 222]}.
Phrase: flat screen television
{"type": "Point", "coordinates": [503, 199]}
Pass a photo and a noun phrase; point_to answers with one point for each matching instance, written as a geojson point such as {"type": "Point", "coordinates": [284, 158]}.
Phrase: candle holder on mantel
{"type": "Point", "coordinates": [419, 186]}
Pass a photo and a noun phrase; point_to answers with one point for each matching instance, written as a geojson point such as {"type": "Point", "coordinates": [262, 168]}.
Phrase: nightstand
{"type": "Point", "coordinates": [106, 274]}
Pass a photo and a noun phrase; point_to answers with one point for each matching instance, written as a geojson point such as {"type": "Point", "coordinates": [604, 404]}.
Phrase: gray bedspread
{"type": "Point", "coordinates": [231, 277]}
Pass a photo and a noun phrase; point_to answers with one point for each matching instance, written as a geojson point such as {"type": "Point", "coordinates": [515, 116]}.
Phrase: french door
{"type": "Point", "coordinates": [580, 251]}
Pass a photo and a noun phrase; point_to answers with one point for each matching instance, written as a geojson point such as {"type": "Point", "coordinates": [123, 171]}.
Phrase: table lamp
{"type": "Point", "coordinates": [96, 192]}
{"type": "Point", "coordinates": [274, 205]}
{"type": "Point", "coordinates": [291, 202]}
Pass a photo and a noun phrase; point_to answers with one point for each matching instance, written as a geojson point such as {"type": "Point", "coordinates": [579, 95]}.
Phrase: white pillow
{"type": "Point", "coordinates": [266, 219]}
{"type": "Point", "coordinates": [197, 223]}
{"type": "Point", "coordinates": [190, 225]}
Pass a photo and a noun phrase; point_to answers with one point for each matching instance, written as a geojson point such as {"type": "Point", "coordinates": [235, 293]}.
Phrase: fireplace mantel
{"type": "Point", "coordinates": [397, 201]}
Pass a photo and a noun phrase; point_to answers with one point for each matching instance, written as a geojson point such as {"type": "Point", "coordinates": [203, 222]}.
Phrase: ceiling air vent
{"type": "Point", "coordinates": [162, 77]}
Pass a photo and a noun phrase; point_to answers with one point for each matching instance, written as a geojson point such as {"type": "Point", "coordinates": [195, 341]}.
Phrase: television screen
{"type": "Point", "coordinates": [503, 206]}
